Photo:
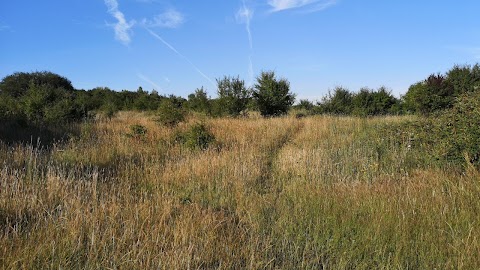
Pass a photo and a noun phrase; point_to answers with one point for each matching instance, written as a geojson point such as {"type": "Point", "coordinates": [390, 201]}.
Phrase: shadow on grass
{"type": "Point", "coordinates": [21, 132]}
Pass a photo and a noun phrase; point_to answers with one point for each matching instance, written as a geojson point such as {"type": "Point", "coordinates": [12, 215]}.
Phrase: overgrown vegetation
{"type": "Point", "coordinates": [439, 92]}
{"type": "Point", "coordinates": [171, 188]}
{"type": "Point", "coordinates": [170, 113]}
{"type": "Point", "coordinates": [281, 193]}
{"type": "Point", "coordinates": [196, 137]}
{"type": "Point", "coordinates": [272, 95]}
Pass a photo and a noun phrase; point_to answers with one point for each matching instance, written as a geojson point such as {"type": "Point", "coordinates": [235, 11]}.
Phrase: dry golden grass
{"type": "Point", "coordinates": [286, 193]}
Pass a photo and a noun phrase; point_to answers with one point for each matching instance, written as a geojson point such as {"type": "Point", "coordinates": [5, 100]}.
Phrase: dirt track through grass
{"type": "Point", "coordinates": [267, 169]}
{"type": "Point", "coordinates": [281, 193]}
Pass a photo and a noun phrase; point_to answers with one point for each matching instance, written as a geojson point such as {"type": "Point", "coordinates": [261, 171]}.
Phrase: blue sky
{"type": "Point", "coordinates": [178, 46]}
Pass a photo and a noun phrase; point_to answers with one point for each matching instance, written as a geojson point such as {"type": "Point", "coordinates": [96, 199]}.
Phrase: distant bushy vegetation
{"type": "Point", "coordinates": [366, 102]}
{"type": "Point", "coordinates": [38, 98]}
{"type": "Point", "coordinates": [439, 92]}
{"type": "Point", "coordinates": [45, 99]}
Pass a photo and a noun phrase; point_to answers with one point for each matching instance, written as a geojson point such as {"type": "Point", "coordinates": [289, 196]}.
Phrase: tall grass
{"type": "Point", "coordinates": [318, 192]}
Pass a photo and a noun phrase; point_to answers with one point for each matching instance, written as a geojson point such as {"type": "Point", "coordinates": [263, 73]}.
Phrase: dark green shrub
{"type": "Point", "coordinates": [273, 96]}
{"type": "Point", "coordinates": [109, 109]}
{"type": "Point", "coordinates": [233, 96]}
{"type": "Point", "coordinates": [304, 104]}
{"type": "Point", "coordinates": [19, 83]}
{"type": "Point", "coordinates": [199, 102]}
{"type": "Point", "coordinates": [438, 91]}
{"type": "Point", "coordinates": [170, 113]}
{"type": "Point", "coordinates": [458, 131]}
{"type": "Point", "coordinates": [338, 103]}
{"type": "Point", "coordinates": [448, 138]}
{"type": "Point", "coordinates": [370, 102]}
{"type": "Point", "coordinates": [197, 137]}
{"type": "Point", "coordinates": [138, 130]}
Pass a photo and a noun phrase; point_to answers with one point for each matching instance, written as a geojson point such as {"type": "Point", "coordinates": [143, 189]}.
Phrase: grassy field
{"type": "Point", "coordinates": [286, 193]}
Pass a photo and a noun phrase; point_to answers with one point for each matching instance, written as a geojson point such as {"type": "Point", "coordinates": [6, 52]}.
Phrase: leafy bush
{"type": "Point", "coordinates": [138, 130]}
{"type": "Point", "coordinates": [233, 95]}
{"type": "Point", "coordinates": [448, 138]}
{"type": "Point", "coordinates": [18, 84]}
{"type": "Point", "coordinates": [197, 137]}
{"type": "Point", "coordinates": [370, 102]}
{"type": "Point", "coordinates": [199, 101]}
{"type": "Point", "coordinates": [338, 103]}
{"type": "Point", "coordinates": [438, 91]}
{"type": "Point", "coordinates": [170, 113]}
{"type": "Point", "coordinates": [272, 95]}
{"type": "Point", "coordinates": [366, 102]}
{"type": "Point", "coordinates": [458, 131]}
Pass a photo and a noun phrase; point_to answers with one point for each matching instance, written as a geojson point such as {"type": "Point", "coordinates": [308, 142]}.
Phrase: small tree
{"type": "Point", "coordinates": [18, 84]}
{"type": "Point", "coordinates": [305, 104]}
{"type": "Point", "coordinates": [433, 94]}
{"type": "Point", "coordinates": [233, 95]}
{"type": "Point", "coordinates": [199, 102]}
{"type": "Point", "coordinates": [272, 96]}
{"type": "Point", "coordinates": [170, 113]}
{"type": "Point", "coordinates": [338, 103]}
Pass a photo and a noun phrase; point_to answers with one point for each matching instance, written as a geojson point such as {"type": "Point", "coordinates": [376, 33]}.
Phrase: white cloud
{"type": "Point", "coordinates": [122, 28]}
{"type": "Point", "coordinates": [312, 5]}
{"type": "Point", "coordinates": [169, 19]}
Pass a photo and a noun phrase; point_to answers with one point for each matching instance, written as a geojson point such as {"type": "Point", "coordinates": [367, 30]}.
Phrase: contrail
{"type": "Point", "coordinates": [146, 79]}
{"type": "Point", "coordinates": [181, 55]}
{"type": "Point", "coordinates": [248, 14]}
{"type": "Point", "coordinates": [250, 70]}
{"type": "Point", "coordinates": [244, 15]}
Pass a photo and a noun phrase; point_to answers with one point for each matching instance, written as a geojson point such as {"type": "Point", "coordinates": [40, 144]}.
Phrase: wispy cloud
{"type": "Point", "coordinates": [310, 5]}
{"type": "Point", "coordinates": [245, 15]}
{"type": "Point", "coordinates": [122, 28]}
{"type": "Point", "coordinates": [155, 35]}
{"type": "Point", "coordinates": [149, 81]}
{"type": "Point", "coordinates": [474, 51]}
{"type": "Point", "coordinates": [169, 19]}
{"type": "Point", "coordinates": [4, 27]}
{"type": "Point", "coordinates": [469, 50]}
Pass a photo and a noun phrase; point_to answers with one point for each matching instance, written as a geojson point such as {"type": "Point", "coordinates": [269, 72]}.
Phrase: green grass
{"type": "Point", "coordinates": [311, 193]}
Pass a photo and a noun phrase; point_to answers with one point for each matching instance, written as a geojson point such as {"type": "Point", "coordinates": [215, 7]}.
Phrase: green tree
{"type": "Point", "coordinates": [17, 84]}
{"type": "Point", "coordinates": [272, 95]}
{"type": "Point", "coordinates": [384, 102]}
{"type": "Point", "coordinates": [338, 103]}
{"type": "Point", "coordinates": [199, 101]}
{"type": "Point", "coordinates": [363, 103]}
{"type": "Point", "coordinates": [170, 112]}
{"type": "Point", "coordinates": [463, 79]}
{"type": "Point", "coordinates": [305, 104]}
{"type": "Point", "coordinates": [433, 94]}
{"type": "Point", "coordinates": [233, 95]}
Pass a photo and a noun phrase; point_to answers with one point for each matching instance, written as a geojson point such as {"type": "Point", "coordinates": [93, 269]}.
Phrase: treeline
{"type": "Point", "coordinates": [45, 98]}
{"type": "Point", "coordinates": [366, 102]}
{"type": "Point", "coordinates": [435, 93]}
